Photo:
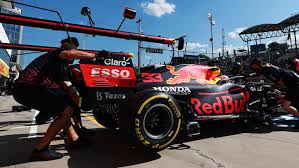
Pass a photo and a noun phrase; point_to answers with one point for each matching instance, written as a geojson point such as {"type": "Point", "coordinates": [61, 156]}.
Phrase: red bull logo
{"type": "Point", "coordinates": [201, 74]}
{"type": "Point", "coordinates": [224, 104]}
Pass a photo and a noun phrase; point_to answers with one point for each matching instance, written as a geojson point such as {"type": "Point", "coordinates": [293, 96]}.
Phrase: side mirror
{"type": "Point", "coordinates": [181, 43]}
{"type": "Point", "coordinates": [129, 13]}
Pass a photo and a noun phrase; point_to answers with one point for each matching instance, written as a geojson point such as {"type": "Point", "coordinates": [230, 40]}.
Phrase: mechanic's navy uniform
{"type": "Point", "coordinates": [38, 85]}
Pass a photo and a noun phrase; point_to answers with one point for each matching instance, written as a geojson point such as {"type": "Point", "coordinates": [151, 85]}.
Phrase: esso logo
{"type": "Point", "coordinates": [115, 73]}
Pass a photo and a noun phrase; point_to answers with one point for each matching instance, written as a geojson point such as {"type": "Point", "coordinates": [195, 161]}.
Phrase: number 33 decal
{"type": "Point", "coordinates": [151, 77]}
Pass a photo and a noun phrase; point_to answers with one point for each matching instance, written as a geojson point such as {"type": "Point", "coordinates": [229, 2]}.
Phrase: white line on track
{"type": "Point", "coordinates": [20, 127]}
{"type": "Point", "coordinates": [33, 128]}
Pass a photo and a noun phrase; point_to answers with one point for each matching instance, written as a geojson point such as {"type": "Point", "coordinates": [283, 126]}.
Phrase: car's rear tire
{"type": "Point", "coordinates": [156, 121]}
{"type": "Point", "coordinates": [107, 115]}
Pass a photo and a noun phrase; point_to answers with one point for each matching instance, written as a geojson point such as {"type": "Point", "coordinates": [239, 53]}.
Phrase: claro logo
{"type": "Point", "coordinates": [115, 73]}
{"type": "Point", "coordinates": [115, 62]}
{"type": "Point", "coordinates": [221, 105]}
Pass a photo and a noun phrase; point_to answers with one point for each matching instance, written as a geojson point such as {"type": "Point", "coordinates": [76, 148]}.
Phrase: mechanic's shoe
{"type": "Point", "coordinates": [45, 154]}
{"type": "Point", "coordinates": [84, 131]}
{"type": "Point", "coordinates": [80, 142]}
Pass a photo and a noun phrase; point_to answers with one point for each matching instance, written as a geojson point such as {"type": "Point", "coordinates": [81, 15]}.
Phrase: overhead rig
{"type": "Point", "coordinates": [129, 13]}
{"type": "Point", "coordinates": [48, 49]}
{"type": "Point", "coordinates": [55, 25]}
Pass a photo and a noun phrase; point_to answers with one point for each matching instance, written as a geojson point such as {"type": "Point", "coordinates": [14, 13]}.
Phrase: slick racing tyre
{"type": "Point", "coordinates": [156, 121]}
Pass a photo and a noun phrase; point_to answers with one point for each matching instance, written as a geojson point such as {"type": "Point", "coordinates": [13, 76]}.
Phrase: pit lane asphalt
{"type": "Point", "coordinates": [221, 145]}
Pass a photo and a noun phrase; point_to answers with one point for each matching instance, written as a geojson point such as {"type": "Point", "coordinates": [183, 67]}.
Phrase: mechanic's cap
{"type": "Point", "coordinates": [71, 40]}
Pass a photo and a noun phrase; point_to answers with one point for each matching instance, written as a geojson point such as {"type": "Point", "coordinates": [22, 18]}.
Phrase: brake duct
{"type": "Point", "coordinates": [55, 25]}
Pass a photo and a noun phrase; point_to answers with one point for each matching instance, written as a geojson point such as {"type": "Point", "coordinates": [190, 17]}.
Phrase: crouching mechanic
{"type": "Point", "coordinates": [44, 85]}
{"type": "Point", "coordinates": [281, 78]}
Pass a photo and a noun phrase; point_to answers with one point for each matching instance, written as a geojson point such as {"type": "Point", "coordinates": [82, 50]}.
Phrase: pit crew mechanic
{"type": "Point", "coordinates": [281, 78]}
{"type": "Point", "coordinates": [237, 69]}
{"type": "Point", "coordinates": [42, 118]}
{"type": "Point", "coordinates": [44, 86]}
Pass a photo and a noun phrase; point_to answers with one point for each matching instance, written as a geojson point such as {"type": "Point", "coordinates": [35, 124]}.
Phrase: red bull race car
{"type": "Point", "coordinates": [155, 106]}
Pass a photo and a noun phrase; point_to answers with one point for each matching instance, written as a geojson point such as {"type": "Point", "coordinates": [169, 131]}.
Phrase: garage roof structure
{"type": "Point", "coordinates": [264, 31]}
{"type": "Point", "coordinates": [290, 24]}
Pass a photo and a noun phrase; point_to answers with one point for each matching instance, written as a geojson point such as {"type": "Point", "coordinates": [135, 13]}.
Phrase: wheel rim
{"type": "Point", "coordinates": [158, 121]}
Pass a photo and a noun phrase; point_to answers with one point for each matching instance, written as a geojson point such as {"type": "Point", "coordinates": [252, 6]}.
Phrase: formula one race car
{"type": "Point", "coordinates": [156, 105]}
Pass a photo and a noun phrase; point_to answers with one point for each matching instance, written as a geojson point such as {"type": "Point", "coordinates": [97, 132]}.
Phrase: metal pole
{"type": "Point", "coordinates": [223, 43]}
{"type": "Point", "coordinates": [186, 47]}
{"type": "Point", "coordinates": [260, 40]}
{"type": "Point", "coordinates": [121, 24]}
{"type": "Point", "coordinates": [290, 38]}
{"type": "Point", "coordinates": [296, 42]}
{"type": "Point", "coordinates": [139, 45]}
{"type": "Point", "coordinates": [291, 44]}
{"type": "Point", "coordinates": [18, 61]}
{"type": "Point", "coordinates": [248, 48]}
{"type": "Point", "coordinates": [212, 43]}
